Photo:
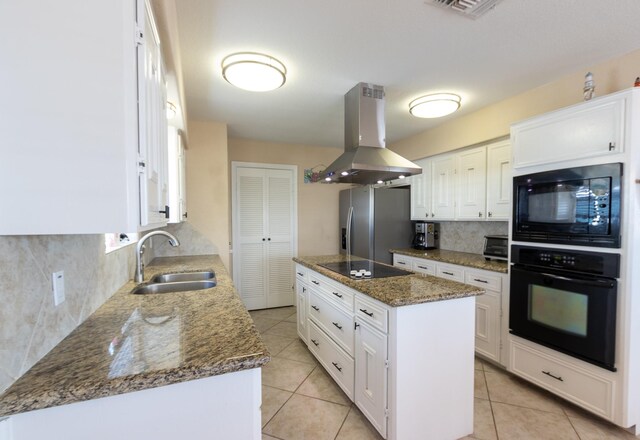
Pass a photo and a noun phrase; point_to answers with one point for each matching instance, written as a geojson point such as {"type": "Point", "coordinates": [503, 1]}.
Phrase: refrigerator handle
{"type": "Point", "coordinates": [349, 221]}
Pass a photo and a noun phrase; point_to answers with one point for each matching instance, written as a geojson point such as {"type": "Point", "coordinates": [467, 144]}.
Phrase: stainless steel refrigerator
{"type": "Point", "coordinates": [374, 220]}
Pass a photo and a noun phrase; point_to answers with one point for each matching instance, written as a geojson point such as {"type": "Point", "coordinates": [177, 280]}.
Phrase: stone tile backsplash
{"type": "Point", "coordinates": [469, 236]}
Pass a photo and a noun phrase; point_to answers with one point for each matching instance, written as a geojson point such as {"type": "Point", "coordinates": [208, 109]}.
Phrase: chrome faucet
{"type": "Point", "coordinates": [173, 241]}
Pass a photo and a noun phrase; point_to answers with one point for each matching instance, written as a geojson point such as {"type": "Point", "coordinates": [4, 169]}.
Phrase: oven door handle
{"type": "Point", "coordinates": [596, 283]}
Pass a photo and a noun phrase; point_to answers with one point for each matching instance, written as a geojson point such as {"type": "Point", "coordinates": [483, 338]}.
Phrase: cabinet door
{"type": "Point", "coordinates": [472, 184]}
{"type": "Point", "coordinates": [589, 129]}
{"type": "Point", "coordinates": [443, 187]}
{"type": "Point", "coordinates": [301, 309]}
{"type": "Point", "coordinates": [421, 192]}
{"type": "Point", "coordinates": [371, 375]}
{"type": "Point", "coordinates": [499, 181]}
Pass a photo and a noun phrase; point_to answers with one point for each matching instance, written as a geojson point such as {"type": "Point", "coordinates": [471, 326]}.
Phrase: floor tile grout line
{"type": "Point", "coordinates": [343, 422]}
{"type": "Point", "coordinates": [275, 414]}
{"type": "Point", "coordinates": [572, 426]}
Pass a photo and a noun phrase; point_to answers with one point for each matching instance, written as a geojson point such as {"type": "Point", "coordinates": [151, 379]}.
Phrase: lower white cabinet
{"type": "Point", "coordinates": [391, 361]}
{"type": "Point", "coordinates": [491, 323]}
{"type": "Point", "coordinates": [371, 374]}
{"type": "Point", "coordinates": [302, 295]}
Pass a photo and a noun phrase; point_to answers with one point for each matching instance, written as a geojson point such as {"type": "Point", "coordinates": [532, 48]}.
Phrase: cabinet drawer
{"type": "Point", "coordinates": [373, 314]}
{"type": "Point", "coordinates": [336, 292]}
{"type": "Point", "coordinates": [572, 382]}
{"type": "Point", "coordinates": [332, 319]}
{"type": "Point", "coordinates": [481, 279]}
{"type": "Point", "coordinates": [424, 266]}
{"type": "Point", "coordinates": [450, 272]}
{"type": "Point", "coordinates": [338, 364]}
{"type": "Point", "coordinates": [302, 273]}
{"type": "Point", "coordinates": [402, 261]}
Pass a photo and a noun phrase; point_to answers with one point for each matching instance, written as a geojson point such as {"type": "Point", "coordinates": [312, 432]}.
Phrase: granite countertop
{"type": "Point", "coordinates": [476, 261]}
{"type": "Point", "coordinates": [135, 342]}
{"type": "Point", "coordinates": [395, 291]}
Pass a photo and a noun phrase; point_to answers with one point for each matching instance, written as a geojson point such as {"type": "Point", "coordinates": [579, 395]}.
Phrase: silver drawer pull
{"type": "Point", "coordinates": [447, 273]}
{"type": "Point", "coordinates": [337, 367]}
{"type": "Point", "coordinates": [366, 313]}
{"type": "Point", "coordinates": [481, 281]}
{"type": "Point", "coordinates": [337, 294]}
{"type": "Point", "coordinates": [423, 267]}
{"type": "Point", "coordinates": [316, 343]}
{"type": "Point", "coordinates": [337, 325]}
{"type": "Point", "coordinates": [300, 273]}
{"type": "Point", "coordinates": [317, 309]}
{"type": "Point", "coordinates": [315, 282]}
{"type": "Point", "coordinates": [555, 377]}
{"type": "Point", "coordinates": [401, 262]}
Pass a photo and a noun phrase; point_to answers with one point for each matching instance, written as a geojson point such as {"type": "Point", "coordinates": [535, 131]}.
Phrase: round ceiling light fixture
{"type": "Point", "coordinates": [434, 106]}
{"type": "Point", "coordinates": [253, 71]}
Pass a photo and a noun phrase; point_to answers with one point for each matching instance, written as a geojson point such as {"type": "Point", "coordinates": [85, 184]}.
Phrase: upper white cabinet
{"type": "Point", "coordinates": [74, 160]}
{"type": "Point", "coordinates": [584, 130]}
{"type": "Point", "coordinates": [471, 184]}
{"type": "Point", "coordinates": [499, 183]}
{"type": "Point", "coordinates": [176, 177]}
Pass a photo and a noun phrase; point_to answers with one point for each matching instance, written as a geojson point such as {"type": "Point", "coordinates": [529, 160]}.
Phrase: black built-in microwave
{"type": "Point", "coordinates": [576, 206]}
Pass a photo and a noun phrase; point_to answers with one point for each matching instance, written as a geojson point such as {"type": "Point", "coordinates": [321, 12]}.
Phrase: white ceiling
{"type": "Point", "coordinates": [407, 46]}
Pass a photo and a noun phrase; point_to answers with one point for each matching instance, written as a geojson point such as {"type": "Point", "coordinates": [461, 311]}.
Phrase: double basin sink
{"type": "Point", "coordinates": [177, 282]}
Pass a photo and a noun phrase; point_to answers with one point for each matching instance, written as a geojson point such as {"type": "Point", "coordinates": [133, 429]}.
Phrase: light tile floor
{"type": "Point", "coordinates": [301, 401]}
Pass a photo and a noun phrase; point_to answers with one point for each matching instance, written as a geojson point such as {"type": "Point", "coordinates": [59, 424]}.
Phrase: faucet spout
{"type": "Point", "coordinates": [173, 241]}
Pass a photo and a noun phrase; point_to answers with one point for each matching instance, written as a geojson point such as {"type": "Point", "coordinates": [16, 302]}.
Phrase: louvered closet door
{"type": "Point", "coordinates": [279, 250]}
{"type": "Point", "coordinates": [249, 258]}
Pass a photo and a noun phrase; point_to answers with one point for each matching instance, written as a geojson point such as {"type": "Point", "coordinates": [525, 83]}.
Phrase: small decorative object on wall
{"type": "Point", "coordinates": [637, 83]}
{"type": "Point", "coordinates": [312, 175]}
{"type": "Point", "coordinates": [589, 90]}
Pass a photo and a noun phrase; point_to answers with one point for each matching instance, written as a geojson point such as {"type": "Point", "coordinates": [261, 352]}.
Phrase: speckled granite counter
{"type": "Point", "coordinates": [476, 261]}
{"type": "Point", "coordinates": [134, 342]}
{"type": "Point", "coordinates": [395, 291]}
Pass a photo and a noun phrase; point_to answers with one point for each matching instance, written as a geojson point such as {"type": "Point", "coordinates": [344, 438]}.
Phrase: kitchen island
{"type": "Point", "coordinates": [164, 366]}
{"type": "Point", "coordinates": [401, 347]}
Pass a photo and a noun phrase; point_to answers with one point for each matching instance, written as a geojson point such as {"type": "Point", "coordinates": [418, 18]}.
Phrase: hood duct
{"type": "Point", "coordinates": [365, 159]}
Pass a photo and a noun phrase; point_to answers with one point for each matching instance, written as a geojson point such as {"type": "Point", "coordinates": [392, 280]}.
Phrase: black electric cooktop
{"type": "Point", "coordinates": [377, 270]}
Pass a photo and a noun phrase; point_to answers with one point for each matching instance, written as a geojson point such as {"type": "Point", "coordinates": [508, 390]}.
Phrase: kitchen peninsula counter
{"type": "Point", "coordinates": [467, 259]}
{"type": "Point", "coordinates": [138, 342]}
{"type": "Point", "coordinates": [394, 291]}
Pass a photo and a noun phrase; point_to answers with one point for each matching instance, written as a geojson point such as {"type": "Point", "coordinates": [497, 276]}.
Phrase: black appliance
{"type": "Point", "coordinates": [496, 247]}
{"type": "Point", "coordinates": [376, 270]}
{"type": "Point", "coordinates": [426, 236]}
{"type": "Point", "coordinates": [566, 300]}
{"type": "Point", "coordinates": [577, 206]}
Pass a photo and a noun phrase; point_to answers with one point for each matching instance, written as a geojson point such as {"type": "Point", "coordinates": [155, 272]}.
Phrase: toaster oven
{"type": "Point", "coordinates": [495, 247]}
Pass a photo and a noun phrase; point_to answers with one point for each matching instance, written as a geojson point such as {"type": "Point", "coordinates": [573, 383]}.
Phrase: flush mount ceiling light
{"type": "Point", "coordinates": [252, 71]}
{"type": "Point", "coordinates": [434, 106]}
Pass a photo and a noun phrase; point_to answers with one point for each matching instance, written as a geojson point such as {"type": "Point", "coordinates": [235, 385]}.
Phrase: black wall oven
{"type": "Point", "coordinates": [577, 206]}
{"type": "Point", "coordinates": [566, 300]}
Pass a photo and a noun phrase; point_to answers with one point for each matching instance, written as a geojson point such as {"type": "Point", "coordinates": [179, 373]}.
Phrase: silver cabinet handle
{"type": "Point", "coordinates": [337, 367]}
{"type": "Point", "coordinates": [317, 309]}
{"type": "Point", "coordinates": [402, 262]}
{"type": "Point", "coordinates": [315, 282]}
{"type": "Point", "coordinates": [490, 213]}
{"type": "Point", "coordinates": [337, 294]}
{"type": "Point", "coordinates": [316, 343]}
{"type": "Point", "coordinates": [337, 325]}
{"type": "Point", "coordinates": [481, 281]}
{"type": "Point", "coordinates": [480, 214]}
{"type": "Point", "coordinates": [447, 273]}
{"type": "Point", "coordinates": [366, 313]}
{"type": "Point", "coordinates": [423, 267]}
{"type": "Point", "coordinates": [300, 273]}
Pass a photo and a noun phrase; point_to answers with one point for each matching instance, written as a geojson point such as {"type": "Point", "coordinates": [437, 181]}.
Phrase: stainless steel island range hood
{"type": "Point", "coordinates": [365, 159]}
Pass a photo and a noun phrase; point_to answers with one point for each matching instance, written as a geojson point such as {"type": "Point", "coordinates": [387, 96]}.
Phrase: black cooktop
{"type": "Point", "coordinates": [377, 270]}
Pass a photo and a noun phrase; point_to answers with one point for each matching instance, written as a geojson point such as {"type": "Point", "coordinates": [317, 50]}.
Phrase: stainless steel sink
{"type": "Point", "coordinates": [184, 276]}
{"type": "Point", "coordinates": [176, 286]}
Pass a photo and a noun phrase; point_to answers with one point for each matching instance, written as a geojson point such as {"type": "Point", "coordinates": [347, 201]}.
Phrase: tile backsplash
{"type": "Point", "coordinates": [469, 236]}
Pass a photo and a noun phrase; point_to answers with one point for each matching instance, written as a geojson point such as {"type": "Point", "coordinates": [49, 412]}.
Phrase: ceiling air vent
{"type": "Point", "coordinates": [470, 8]}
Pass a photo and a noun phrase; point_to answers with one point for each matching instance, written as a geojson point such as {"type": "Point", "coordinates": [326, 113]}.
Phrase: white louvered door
{"type": "Point", "coordinates": [264, 213]}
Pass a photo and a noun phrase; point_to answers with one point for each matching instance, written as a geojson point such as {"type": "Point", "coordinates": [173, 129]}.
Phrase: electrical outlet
{"type": "Point", "coordinates": [58, 287]}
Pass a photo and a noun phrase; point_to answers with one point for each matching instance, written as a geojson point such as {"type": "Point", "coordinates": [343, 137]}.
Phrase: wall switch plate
{"type": "Point", "coordinates": [58, 287]}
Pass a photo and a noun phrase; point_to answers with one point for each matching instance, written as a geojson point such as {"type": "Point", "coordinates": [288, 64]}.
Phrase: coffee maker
{"type": "Point", "coordinates": [426, 236]}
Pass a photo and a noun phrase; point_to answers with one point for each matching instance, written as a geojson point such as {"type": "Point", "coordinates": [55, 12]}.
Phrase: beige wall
{"type": "Point", "coordinates": [208, 184]}
{"type": "Point", "coordinates": [494, 121]}
{"type": "Point", "coordinates": [317, 203]}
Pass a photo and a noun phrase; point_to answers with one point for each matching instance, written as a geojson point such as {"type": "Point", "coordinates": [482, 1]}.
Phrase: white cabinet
{"type": "Point", "coordinates": [302, 297]}
{"type": "Point", "coordinates": [584, 130]}
{"type": "Point", "coordinates": [72, 166]}
{"type": "Point", "coordinates": [499, 181]}
{"type": "Point", "coordinates": [370, 393]}
{"type": "Point", "coordinates": [472, 184]}
{"type": "Point", "coordinates": [176, 177]}
{"type": "Point", "coordinates": [263, 212]}
{"type": "Point", "coordinates": [491, 324]}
